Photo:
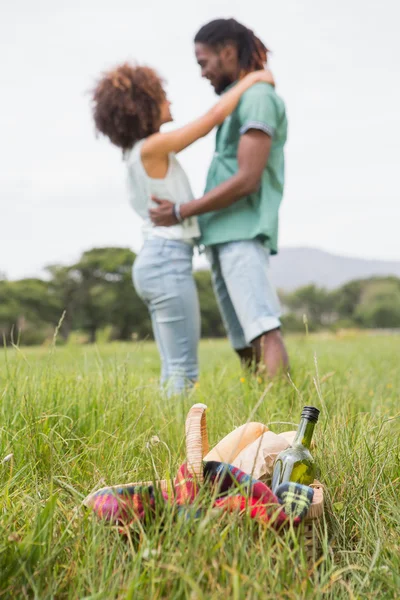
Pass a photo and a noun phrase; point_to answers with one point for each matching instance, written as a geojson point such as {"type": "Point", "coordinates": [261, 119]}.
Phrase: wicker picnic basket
{"type": "Point", "coordinates": [197, 448]}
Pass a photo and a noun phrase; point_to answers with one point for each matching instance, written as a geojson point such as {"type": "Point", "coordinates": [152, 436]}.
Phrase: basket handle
{"type": "Point", "coordinates": [196, 440]}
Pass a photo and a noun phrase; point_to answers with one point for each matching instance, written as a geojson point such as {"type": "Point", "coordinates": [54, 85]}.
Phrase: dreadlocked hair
{"type": "Point", "coordinates": [252, 53]}
{"type": "Point", "coordinates": [126, 104]}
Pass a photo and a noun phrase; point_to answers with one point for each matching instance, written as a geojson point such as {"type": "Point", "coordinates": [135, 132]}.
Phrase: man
{"type": "Point", "coordinates": [239, 210]}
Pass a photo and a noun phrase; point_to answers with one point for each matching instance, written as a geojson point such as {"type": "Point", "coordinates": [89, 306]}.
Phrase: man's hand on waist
{"type": "Point", "coordinates": [164, 215]}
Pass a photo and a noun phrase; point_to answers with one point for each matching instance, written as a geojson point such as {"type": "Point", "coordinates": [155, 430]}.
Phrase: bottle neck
{"type": "Point", "coordinates": [304, 433]}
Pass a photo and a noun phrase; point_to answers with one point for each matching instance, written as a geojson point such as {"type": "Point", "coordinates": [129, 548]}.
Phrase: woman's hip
{"type": "Point", "coordinates": [163, 266]}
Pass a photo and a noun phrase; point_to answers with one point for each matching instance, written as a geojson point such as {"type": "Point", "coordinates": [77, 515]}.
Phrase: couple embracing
{"type": "Point", "coordinates": [236, 219]}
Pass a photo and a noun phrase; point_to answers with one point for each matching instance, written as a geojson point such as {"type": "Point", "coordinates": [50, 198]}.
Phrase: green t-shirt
{"type": "Point", "coordinates": [254, 216]}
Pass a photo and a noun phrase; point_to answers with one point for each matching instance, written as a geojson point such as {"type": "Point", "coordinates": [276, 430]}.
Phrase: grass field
{"type": "Point", "coordinates": [79, 417]}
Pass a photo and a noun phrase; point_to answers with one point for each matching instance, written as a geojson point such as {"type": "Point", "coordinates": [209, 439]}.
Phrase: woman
{"type": "Point", "coordinates": [129, 107]}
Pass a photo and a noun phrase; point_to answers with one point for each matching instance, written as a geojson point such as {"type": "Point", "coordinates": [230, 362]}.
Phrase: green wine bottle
{"type": "Point", "coordinates": [296, 463]}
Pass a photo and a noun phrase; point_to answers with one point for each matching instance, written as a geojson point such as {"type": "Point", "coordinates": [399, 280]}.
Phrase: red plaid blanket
{"type": "Point", "coordinates": [232, 489]}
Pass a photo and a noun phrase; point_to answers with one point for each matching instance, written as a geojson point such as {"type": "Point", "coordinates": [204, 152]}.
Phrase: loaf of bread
{"type": "Point", "coordinates": [230, 446]}
{"type": "Point", "coordinates": [258, 458]}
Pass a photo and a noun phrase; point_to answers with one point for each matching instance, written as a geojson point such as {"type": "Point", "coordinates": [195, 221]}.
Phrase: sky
{"type": "Point", "coordinates": [63, 190]}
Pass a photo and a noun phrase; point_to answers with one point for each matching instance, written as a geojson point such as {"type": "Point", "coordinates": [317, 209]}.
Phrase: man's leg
{"type": "Point", "coordinates": [248, 357]}
{"type": "Point", "coordinates": [270, 353]}
{"type": "Point", "coordinates": [229, 318]}
{"type": "Point", "coordinates": [244, 268]}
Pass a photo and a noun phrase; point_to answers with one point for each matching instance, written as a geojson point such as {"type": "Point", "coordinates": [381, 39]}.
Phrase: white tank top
{"type": "Point", "coordinates": [174, 186]}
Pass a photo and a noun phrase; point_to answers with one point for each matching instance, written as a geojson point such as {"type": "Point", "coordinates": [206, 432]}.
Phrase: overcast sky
{"type": "Point", "coordinates": [336, 64]}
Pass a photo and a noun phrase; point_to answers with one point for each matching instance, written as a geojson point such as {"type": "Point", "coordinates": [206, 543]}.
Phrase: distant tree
{"type": "Point", "coordinates": [35, 300]}
{"type": "Point", "coordinates": [379, 304]}
{"type": "Point", "coordinates": [10, 311]}
{"type": "Point", "coordinates": [347, 297]}
{"type": "Point", "coordinates": [26, 310]}
{"type": "Point", "coordinates": [317, 303]}
{"type": "Point", "coordinates": [64, 288]}
{"type": "Point", "coordinates": [292, 323]}
{"type": "Point", "coordinates": [106, 296]}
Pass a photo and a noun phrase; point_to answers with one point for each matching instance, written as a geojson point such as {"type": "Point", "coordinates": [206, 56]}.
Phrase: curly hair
{"type": "Point", "coordinates": [126, 104]}
{"type": "Point", "coordinates": [252, 52]}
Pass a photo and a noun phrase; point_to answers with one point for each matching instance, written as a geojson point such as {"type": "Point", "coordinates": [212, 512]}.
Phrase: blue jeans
{"type": "Point", "coordinates": [163, 278]}
{"type": "Point", "coordinates": [247, 299]}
